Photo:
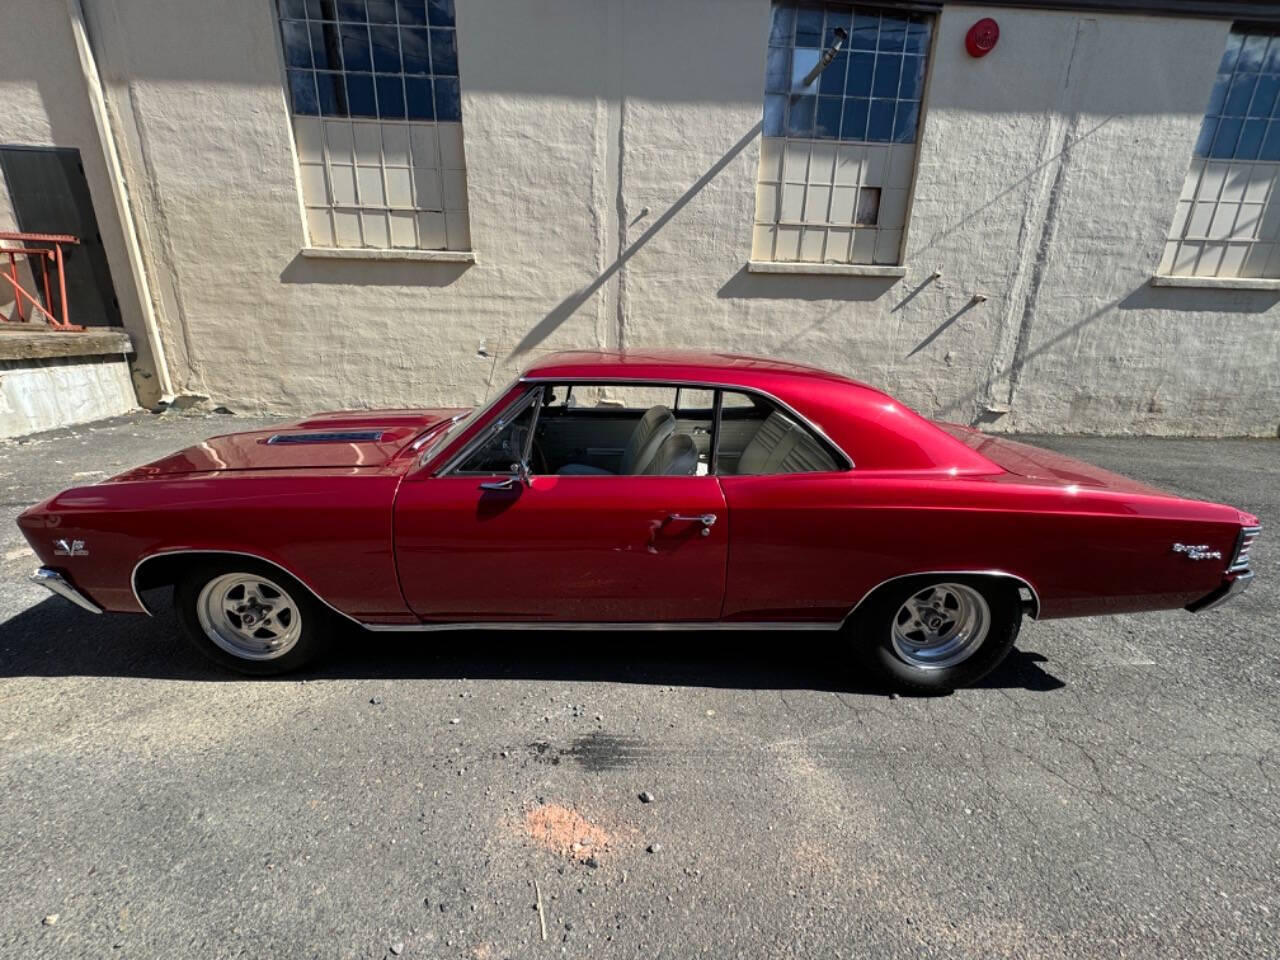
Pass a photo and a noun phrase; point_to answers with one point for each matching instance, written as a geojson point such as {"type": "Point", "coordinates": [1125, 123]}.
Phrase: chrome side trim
{"type": "Point", "coordinates": [672, 625]}
{"type": "Point", "coordinates": [133, 576]}
{"type": "Point", "coordinates": [1022, 581]}
{"type": "Point", "coordinates": [506, 416]}
{"type": "Point", "coordinates": [336, 436]}
{"type": "Point", "coordinates": [635, 626]}
{"type": "Point", "coordinates": [55, 582]}
{"type": "Point", "coordinates": [436, 427]}
{"type": "Point", "coordinates": [496, 625]}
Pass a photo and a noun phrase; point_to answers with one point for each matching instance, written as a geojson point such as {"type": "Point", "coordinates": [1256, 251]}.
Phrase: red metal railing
{"type": "Point", "coordinates": [47, 257]}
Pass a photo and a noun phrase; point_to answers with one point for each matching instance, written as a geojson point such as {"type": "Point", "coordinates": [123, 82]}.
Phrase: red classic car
{"type": "Point", "coordinates": [637, 491]}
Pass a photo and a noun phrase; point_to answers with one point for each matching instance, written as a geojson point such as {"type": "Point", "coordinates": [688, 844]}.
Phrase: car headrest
{"type": "Point", "coordinates": [653, 428]}
{"type": "Point", "coordinates": [676, 457]}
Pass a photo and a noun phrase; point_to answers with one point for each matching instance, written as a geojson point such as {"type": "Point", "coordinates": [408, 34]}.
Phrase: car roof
{"type": "Point", "coordinates": [872, 428]}
{"type": "Point", "coordinates": [688, 365]}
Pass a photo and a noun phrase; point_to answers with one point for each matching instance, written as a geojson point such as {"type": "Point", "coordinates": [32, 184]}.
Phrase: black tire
{"type": "Point", "coordinates": [314, 624]}
{"type": "Point", "coordinates": [873, 633]}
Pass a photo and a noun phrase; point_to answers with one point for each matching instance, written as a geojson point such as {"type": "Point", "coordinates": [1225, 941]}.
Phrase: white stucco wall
{"type": "Point", "coordinates": [580, 115]}
{"type": "Point", "coordinates": [1053, 199]}
{"type": "Point", "coordinates": [44, 103]}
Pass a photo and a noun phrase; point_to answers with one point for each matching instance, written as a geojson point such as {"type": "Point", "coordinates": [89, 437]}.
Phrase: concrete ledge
{"type": "Point", "coordinates": [825, 269]}
{"type": "Point", "coordinates": [370, 253]}
{"type": "Point", "coordinates": [41, 343]}
{"type": "Point", "coordinates": [1218, 283]}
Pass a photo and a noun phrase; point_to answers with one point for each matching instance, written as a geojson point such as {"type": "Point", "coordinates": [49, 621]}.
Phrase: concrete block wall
{"type": "Point", "coordinates": [612, 153]}
{"type": "Point", "coordinates": [44, 394]}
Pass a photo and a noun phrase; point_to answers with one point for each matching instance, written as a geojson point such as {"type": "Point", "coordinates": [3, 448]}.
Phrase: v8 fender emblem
{"type": "Point", "coordinates": [70, 548]}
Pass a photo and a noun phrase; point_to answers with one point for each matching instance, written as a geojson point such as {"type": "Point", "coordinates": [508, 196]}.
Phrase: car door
{"type": "Point", "coordinates": [489, 546]}
{"type": "Point", "coordinates": [788, 492]}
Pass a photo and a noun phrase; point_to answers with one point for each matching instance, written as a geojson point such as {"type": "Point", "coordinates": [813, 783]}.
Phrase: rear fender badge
{"type": "Point", "coordinates": [1198, 552]}
{"type": "Point", "coordinates": [69, 548]}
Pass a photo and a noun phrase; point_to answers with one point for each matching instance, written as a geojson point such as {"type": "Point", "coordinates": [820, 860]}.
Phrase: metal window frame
{"type": "Point", "coordinates": [826, 226]}
{"type": "Point", "coordinates": [499, 423]}
{"type": "Point", "coordinates": [510, 412]}
{"type": "Point", "coordinates": [1183, 239]}
{"type": "Point", "coordinates": [360, 209]}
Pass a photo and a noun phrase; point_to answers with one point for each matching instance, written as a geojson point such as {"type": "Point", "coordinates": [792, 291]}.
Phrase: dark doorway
{"type": "Point", "coordinates": [50, 195]}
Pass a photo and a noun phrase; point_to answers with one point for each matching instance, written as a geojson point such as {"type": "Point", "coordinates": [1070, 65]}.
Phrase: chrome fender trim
{"type": "Point", "coordinates": [133, 576]}
{"type": "Point", "coordinates": [1023, 582]}
{"type": "Point", "coordinates": [470, 625]}
{"type": "Point", "coordinates": [626, 626]}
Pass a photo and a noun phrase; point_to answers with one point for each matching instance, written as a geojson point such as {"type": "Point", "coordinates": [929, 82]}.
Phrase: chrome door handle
{"type": "Point", "coordinates": [706, 519]}
{"type": "Point", "coordinates": [504, 484]}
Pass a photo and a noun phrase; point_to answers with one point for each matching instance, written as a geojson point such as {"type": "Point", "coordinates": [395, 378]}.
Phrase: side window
{"type": "Point", "coordinates": [1227, 221]}
{"type": "Point", "coordinates": [842, 101]}
{"type": "Point", "coordinates": [507, 443]}
{"type": "Point", "coordinates": [690, 400]}
{"type": "Point", "coordinates": [623, 429]}
{"type": "Point", "coordinates": [756, 438]}
{"type": "Point", "coordinates": [377, 121]}
{"type": "Point", "coordinates": [618, 396]}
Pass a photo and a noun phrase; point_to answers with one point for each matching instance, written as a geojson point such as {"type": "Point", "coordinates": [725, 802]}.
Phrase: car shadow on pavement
{"type": "Point", "coordinates": [53, 639]}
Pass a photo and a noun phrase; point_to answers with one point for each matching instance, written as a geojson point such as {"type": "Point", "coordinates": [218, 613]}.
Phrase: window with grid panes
{"type": "Point", "coordinates": [1227, 222]}
{"type": "Point", "coordinates": [377, 119]}
{"type": "Point", "coordinates": [837, 153]}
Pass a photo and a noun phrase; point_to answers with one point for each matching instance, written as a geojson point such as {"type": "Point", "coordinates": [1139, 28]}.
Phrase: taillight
{"type": "Point", "coordinates": [1240, 561]}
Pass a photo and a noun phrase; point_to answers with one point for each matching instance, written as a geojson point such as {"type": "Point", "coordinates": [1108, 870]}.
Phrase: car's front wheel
{"type": "Point", "coordinates": [248, 616]}
{"type": "Point", "coordinates": [935, 633]}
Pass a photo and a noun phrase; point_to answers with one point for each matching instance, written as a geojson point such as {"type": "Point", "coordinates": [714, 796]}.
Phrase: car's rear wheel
{"type": "Point", "coordinates": [251, 617]}
{"type": "Point", "coordinates": [934, 633]}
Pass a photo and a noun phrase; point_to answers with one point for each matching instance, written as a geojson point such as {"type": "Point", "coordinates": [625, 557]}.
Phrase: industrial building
{"type": "Point", "coordinates": [1047, 216]}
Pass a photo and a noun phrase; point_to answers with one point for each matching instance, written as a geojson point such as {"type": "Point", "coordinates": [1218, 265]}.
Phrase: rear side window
{"type": "Point", "coordinates": [757, 438]}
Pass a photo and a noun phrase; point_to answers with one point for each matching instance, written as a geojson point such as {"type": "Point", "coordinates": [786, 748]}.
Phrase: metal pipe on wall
{"type": "Point", "coordinates": [119, 193]}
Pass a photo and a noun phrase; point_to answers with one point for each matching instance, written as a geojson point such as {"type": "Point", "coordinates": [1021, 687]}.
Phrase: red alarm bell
{"type": "Point", "coordinates": [981, 38]}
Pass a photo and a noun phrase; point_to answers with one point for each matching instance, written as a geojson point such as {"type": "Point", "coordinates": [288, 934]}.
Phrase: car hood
{"type": "Point", "coordinates": [1037, 463]}
{"type": "Point", "coordinates": [366, 438]}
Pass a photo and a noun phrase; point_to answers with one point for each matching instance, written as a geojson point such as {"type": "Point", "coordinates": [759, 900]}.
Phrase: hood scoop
{"type": "Point", "coordinates": [336, 436]}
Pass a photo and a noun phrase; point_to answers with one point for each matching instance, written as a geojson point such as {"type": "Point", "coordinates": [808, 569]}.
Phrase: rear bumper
{"type": "Point", "coordinates": [1230, 588]}
{"type": "Point", "coordinates": [54, 581]}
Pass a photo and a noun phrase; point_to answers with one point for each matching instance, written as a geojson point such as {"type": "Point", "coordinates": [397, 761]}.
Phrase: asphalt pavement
{"type": "Point", "coordinates": [1113, 790]}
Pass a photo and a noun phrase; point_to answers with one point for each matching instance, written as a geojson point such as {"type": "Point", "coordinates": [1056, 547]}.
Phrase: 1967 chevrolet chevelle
{"type": "Point", "coordinates": [630, 491]}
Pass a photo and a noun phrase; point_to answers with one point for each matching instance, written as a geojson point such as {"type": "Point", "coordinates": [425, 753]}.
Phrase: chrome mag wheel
{"type": "Point", "coordinates": [249, 616]}
{"type": "Point", "coordinates": [941, 626]}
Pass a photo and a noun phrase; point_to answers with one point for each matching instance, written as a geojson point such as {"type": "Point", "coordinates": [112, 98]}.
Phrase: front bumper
{"type": "Point", "coordinates": [1230, 588]}
{"type": "Point", "coordinates": [57, 583]}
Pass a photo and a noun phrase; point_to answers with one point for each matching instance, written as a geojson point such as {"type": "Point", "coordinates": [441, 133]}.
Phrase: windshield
{"type": "Point", "coordinates": [458, 426]}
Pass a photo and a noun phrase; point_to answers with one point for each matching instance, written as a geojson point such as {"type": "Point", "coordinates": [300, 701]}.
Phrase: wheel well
{"type": "Point", "coordinates": [1027, 595]}
{"type": "Point", "coordinates": [166, 569]}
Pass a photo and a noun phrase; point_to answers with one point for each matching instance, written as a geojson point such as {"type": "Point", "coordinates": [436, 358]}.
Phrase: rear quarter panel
{"type": "Point", "coordinates": [810, 546]}
{"type": "Point", "coordinates": [330, 528]}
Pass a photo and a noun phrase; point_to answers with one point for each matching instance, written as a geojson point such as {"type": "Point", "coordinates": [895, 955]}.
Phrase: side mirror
{"type": "Point", "coordinates": [521, 470]}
